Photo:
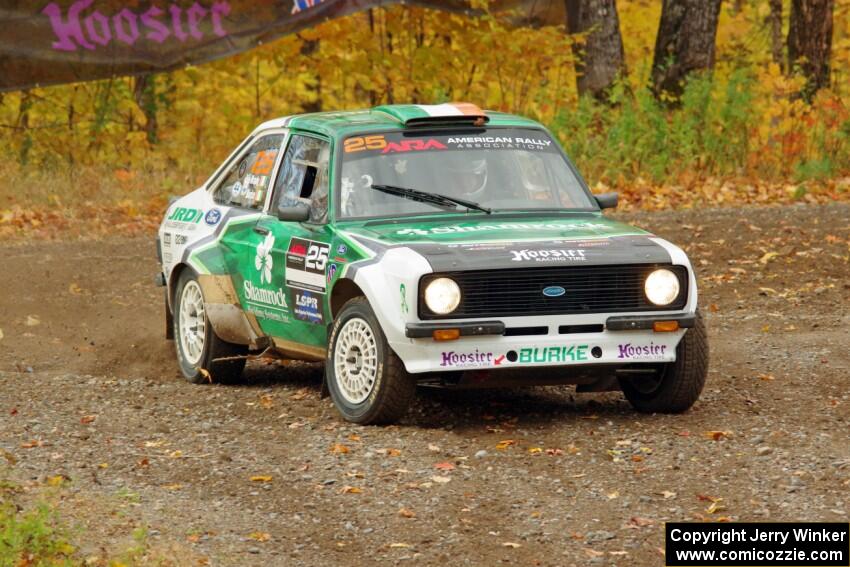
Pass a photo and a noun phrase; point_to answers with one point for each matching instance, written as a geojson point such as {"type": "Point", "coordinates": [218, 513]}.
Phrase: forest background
{"type": "Point", "coordinates": [678, 103]}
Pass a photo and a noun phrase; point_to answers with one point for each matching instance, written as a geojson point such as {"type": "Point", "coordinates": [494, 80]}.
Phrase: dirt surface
{"type": "Point", "coordinates": [89, 389]}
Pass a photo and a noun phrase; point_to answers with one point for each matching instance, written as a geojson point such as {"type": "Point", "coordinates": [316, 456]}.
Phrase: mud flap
{"type": "Point", "coordinates": [324, 392]}
{"type": "Point", "coordinates": [169, 320]}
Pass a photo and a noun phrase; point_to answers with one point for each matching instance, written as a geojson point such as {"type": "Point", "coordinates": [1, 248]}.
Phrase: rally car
{"type": "Point", "coordinates": [424, 244]}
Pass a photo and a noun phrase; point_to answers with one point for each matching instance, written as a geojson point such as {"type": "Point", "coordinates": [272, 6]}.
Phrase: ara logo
{"type": "Point", "coordinates": [263, 261]}
{"type": "Point", "coordinates": [554, 291]}
{"type": "Point", "coordinates": [413, 146]}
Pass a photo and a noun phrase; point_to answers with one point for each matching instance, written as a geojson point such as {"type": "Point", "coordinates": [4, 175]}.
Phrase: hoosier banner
{"type": "Point", "coordinates": [62, 41]}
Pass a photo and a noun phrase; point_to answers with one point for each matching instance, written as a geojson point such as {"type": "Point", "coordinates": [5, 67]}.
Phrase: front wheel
{"type": "Point", "coordinates": [675, 386]}
{"type": "Point", "coordinates": [366, 379]}
{"type": "Point", "coordinates": [198, 347]}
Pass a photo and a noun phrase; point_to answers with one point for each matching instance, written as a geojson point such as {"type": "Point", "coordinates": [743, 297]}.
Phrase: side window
{"type": "Point", "coordinates": [245, 184]}
{"type": "Point", "coordinates": [303, 176]}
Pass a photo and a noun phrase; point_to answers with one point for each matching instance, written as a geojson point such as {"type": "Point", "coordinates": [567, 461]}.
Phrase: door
{"type": "Point", "coordinates": [292, 257]}
{"type": "Point", "coordinates": [245, 188]}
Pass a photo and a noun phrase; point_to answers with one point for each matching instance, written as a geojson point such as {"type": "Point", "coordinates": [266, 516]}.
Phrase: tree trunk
{"type": "Point", "coordinates": [685, 43]}
{"type": "Point", "coordinates": [310, 49]}
{"type": "Point", "coordinates": [774, 20]}
{"type": "Point", "coordinates": [144, 93]}
{"type": "Point", "coordinates": [810, 42]}
{"type": "Point", "coordinates": [600, 60]}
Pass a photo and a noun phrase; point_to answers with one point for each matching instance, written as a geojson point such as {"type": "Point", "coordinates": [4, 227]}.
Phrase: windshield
{"type": "Point", "coordinates": [496, 168]}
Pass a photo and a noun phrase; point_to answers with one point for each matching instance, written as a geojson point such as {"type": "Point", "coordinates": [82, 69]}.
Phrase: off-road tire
{"type": "Point", "coordinates": [681, 381]}
{"type": "Point", "coordinates": [207, 369]}
{"type": "Point", "coordinates": [393, 389]}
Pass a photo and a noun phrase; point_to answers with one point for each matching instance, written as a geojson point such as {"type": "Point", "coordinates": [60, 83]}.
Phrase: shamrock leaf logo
{"type": "Point", "coordinates": [263, 262]}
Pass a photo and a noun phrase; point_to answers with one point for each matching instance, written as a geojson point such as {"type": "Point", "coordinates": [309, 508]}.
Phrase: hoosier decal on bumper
{"type": "Point", "coordinates": [497, 352]}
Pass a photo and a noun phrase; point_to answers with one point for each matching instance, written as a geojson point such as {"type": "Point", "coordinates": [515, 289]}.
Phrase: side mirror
{"type": "Point", "coordinates": [296, 213]}
{"type": "Point", "coordinates": [607, 200]}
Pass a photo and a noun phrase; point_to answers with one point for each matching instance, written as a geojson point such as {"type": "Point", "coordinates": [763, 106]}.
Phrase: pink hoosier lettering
{"type": "Point", "coordinates": [82, 27]}
{"type": "Point", "coordinates": [651, 350]}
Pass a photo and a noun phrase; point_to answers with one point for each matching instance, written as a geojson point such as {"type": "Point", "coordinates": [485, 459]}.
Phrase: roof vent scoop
{"type": "Point", "coordinates": [431, 114]}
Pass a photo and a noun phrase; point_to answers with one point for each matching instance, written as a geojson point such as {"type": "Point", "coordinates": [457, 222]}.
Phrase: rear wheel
{"type": "Point", "coordinates": [674, 386]}
{"type": "Point", "coordinates": [366, 380]}
{"type": "Point", "coordinates": [197, 345]}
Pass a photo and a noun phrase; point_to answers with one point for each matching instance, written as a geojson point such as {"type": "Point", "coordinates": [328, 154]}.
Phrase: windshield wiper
{"type": "Point", "coordinates": [430, 198]}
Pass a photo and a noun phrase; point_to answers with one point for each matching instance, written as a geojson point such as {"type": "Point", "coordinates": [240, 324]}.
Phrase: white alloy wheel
{"type": "Point", "coordinates": [356, 360]}
{"type": "Point", "coordinates": [193, 319]}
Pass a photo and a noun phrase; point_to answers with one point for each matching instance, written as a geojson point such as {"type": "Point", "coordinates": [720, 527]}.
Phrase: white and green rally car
{"type": "Point", "coordinates": [413, 244]}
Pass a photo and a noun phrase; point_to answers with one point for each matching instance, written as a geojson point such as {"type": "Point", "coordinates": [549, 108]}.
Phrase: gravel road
{"type": "Point", "coordinates": [265, 473]}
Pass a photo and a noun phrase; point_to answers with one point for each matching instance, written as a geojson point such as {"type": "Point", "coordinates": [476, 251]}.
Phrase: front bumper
{"type": "Point", "coordinates": [483, 346]}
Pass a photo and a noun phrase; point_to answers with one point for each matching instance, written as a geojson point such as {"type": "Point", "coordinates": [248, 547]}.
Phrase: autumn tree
{"type": "Point", "coordinates": [600, 57]}
{"type": "Point", "coordinates": [810, 42]}
{"type": "Point", "coordinates": [774, 21]}
{"type": "Point", "coordinates": [684, 44]}
{"type": "Point", "coordinates": [144, 93]}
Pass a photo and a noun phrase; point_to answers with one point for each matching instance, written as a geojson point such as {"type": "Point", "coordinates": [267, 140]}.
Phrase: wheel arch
{"type": "Point", "coordinates": [343, 291]}
{"type": "Point", "coordinates": [173, 277]}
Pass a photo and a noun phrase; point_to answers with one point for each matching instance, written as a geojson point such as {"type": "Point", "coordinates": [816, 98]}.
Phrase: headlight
{"type": "Point", "coordinates": [661, 287]}
{"type": "Point", "coordinates": [442, 296]}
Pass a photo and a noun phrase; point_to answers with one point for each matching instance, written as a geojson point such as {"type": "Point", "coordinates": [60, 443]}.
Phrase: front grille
{"type": "Point", "coordinates": [519, 292]}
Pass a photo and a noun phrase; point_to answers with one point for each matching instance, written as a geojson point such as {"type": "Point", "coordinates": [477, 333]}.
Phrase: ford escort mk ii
{"type": "Point", "coordinates": [432, 245]}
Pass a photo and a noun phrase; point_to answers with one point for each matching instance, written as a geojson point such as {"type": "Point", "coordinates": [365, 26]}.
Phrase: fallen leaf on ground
{"type": "Point", "coordinates": [399, 545]}
{"type": "Point", "coordinates": [717, 435]}
{"type": "Point", "coordinates": [33, 321]}
{"type": "Point", "coordinates": [535, 450]}
{"type": "Point", "coordinates": [502, 445]}
{"type": "Point", "coordinates": [641, 522]}
{"type": "Point", "coordinates": [440, 479]}
{"type": "Point", "coordinates": [260, 536]}
{"type": "Point", "coordinates": [57, 480]}
{"type": "Point", "coordinates": [668, 494]}
{"type": "Point", "coordinates": [267, 401]}
{"type": "Point", "coordinates": [86, 419]}
{"type": "Point", "coordinates": [406, 513]}
{"type": "Point", "coordinates": [300, 394]}
{"type": "Point", "coordinates": [444, 466]}
{"type": "Point", "coordinates": [350, 490]}
{"type": "Point", "coordinates": [353, 437]}
{"type": "Point", "coordinates": [766, 377]}
{"type": "Point", "coordinates": [433, 448]}
{"type": "Point", "coordinates": [715, 507]}
{"type": "Point", "coordinates": [339, 448]}
{"type": "Point", "coordinates": [75, 288]}
{"type": "Point", "coordinates": [261, 478]}
{"type": "Point", "coordinates": [554, 452]}
{"type": "Point", "coordinates": [768, 257]}
{"type": "Point", "coordinates": [33, 443]}
{"type": "Point", "coordinates": [511, 544]}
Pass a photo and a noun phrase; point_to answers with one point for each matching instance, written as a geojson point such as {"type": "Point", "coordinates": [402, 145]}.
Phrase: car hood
{"type": "Point", "coordinates": [498, 243]}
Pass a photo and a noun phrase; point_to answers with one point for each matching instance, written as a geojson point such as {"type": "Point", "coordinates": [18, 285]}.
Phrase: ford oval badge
{"type": "Point", "coordinates": [554, 291]}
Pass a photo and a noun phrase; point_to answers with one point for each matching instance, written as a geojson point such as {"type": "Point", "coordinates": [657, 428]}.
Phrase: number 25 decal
{"type": "Point", "coordinates": [317, 257]}
{"type": "Point", "coordinates": [361, 143]}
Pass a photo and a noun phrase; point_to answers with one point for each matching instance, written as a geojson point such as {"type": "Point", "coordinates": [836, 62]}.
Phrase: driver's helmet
{"type": "Point", "coordinates": [467, 176]}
